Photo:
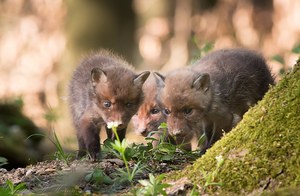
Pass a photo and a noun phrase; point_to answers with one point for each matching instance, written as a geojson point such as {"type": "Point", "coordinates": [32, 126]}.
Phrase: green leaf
{"type": "Point", "coordinates": [20, 186]}
{"type": "Point", "coordinates": [167, 148]}
{"type": "Point", "coordinates": [99, 177]}
{"type": "Point", "coordinates": [144, 182]}
{"type": "Point", "coordinates": [107, 180]}
{"type": "Point", "coordinates": [89, 177]}
{"type": "Point", "coordinates": [152, 178]}
{"type": "Point", "coordinates": [4, 191]}
{"type": "Point", "coordinates": [10, 184]}
{"type": "Point", "coordinates": [163, 126]}
{"type": "Point", "coordinates": [166, 157]}
{"type": "Point", "coordinates": [150, 139]}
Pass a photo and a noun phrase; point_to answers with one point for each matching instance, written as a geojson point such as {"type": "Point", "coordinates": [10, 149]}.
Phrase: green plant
{"type": "Point", "coordinates": [4, 191]}
{"type": "Point", "coordinates": [166, 151]}
{"type": "Point", "coordinates": [98, 176]}
{"type": "Point", "coordinates": [14, 189]}
{"type": "Point", "coordinates": [143, 157]}
{"type": "Point", "coordinates": [163, 151]}
{"type": "Point", "coordinates": [153, 186]}
{"type": "Point", "coordinates": [121, 148]}
{"type": "Point", "coordinates": [163, 126]}
{"type": "Point", "coordinates": [124, 176]}
{"type": "Point", "coordinates": [60, 153]}
{"type": "Point", "coordinates": [151, 156]}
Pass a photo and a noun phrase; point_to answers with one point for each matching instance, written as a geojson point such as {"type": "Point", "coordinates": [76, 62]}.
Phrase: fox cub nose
{"type": "Point", "coordinates": [176, 132]}
{"type": "Point", "coordinates": [142, 131]}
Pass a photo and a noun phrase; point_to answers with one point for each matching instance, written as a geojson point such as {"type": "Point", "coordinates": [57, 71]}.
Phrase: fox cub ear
{"type": "Point", "coordinates": [98, 75]}
{"type": "Point", "coordinates": [141, 78]}
{"type": "Point", "coordinates": [160, 77]}
{"type": "Point", "coordinates": [202, 82]}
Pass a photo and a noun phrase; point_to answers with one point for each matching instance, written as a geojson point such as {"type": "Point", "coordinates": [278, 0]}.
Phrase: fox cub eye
{"type": "Point", "coordinates": [187, 111]}
{"type": "Point", "coordinates": [129, 105]}
{"type": "Point", "coordinates": [166, 111]}
{"type": "Point", "coordinates": [107, 104]}
{"type": "Point", "coordinates": [154, 111]}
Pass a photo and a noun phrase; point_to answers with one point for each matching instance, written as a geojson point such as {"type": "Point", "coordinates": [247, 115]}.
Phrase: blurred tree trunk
{"type": "Point", "coordinates": [95, 24]}
{"type": "Point", "coordinates": [179, 52]}
{"type": "Point", "coordinates": [92, 25]}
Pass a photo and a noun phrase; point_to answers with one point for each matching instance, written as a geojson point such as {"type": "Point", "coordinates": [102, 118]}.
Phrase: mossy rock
{"type": "Point", "coordinates": [263, 152]}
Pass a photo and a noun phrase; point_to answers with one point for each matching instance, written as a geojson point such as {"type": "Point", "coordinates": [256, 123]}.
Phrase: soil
{"type": "Point", "coordinates": [55, 176]}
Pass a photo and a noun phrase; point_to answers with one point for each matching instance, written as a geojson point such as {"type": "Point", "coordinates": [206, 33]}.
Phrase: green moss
{"type": "Point", "coordinates": [263, 149]}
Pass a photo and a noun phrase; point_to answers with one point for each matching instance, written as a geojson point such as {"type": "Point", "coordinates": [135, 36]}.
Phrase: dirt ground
{"type": "Point", "coordinates": [58, 177]}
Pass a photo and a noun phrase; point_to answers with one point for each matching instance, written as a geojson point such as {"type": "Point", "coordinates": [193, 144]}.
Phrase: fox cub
{"type": "Point", "coordinates": [212, 95]}
{"type": "Point", "coordinates": [104, 89]}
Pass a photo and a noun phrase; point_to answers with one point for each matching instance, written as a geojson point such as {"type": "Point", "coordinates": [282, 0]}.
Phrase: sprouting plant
{"type": "Point", "coordinates": [60, 153]}
{"type": "Point", "coordinates": [163, 126]}
{"type": "Point", "coordinates": [163, 151]}
{"type": "Point", "coordinates": [125, 176]}
{"type": "Point", "coordinates": [153, 186]}
{"type": "Point", "coordinates": [142, 154]}
{"type": "Point", "coordinates": [121, 147]}
{"type": "Point", "coordinates": [14, 189]}
{"type": "Point", "coordinates": [210, 178]}
{"type": "Point", "coordinates": [118, 145]}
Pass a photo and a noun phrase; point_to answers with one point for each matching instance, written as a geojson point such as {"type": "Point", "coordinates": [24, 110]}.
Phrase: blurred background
{"type": "Point", "coordinates": [41, 42]}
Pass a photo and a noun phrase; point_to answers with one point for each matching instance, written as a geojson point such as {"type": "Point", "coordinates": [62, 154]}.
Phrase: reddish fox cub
{"type": "Point", "coordinates": [150, 116]}
{"type": "Point", "coordinates": [212, 95]}
{"type": "Point", "coordinates": [103, 89]}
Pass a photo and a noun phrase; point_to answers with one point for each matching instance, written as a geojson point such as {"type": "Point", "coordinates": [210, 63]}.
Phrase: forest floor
{"type": "Point", "coordinates": [84, 176]}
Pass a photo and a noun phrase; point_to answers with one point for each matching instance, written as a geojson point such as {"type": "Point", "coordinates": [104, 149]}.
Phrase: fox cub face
{"type": "Point", "coordinates": [117, 101]}
{"type": "Point", "coordinates": [148, 118]}
{"type": "Point", "coordinates": [149, 115]}
{"type": "Point", "coordinates": [185, 97]}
